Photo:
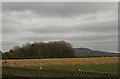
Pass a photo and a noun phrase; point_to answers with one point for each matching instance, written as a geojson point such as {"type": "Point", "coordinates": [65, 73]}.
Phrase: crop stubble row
{"type": "Point", "coordinates": [60, 61]}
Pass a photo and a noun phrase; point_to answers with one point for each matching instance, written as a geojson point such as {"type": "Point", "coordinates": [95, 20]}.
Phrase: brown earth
{"type": "Point", "coordinates": [60, 61]}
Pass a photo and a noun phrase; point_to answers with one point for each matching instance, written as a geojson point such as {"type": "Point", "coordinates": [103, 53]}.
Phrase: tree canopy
{"type": "Point", "coordinates": [52, 49]}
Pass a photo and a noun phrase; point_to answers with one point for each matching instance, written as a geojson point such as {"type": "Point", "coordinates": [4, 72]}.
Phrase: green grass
{"type": "Point", "coordinates": [111, 68]}
{"type": "Point", "coordinates": [36, 72]}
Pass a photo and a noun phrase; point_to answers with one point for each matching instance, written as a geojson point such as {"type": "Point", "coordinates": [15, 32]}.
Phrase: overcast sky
{"type": "Point", "coordinates": [83, 24]}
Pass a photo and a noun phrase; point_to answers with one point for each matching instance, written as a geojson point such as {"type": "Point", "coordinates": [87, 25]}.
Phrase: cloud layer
{"type": "Point", "coordinates": [88, 24]}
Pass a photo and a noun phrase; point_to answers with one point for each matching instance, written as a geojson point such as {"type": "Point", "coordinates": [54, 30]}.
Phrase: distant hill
{"type": "Point", "coordinates": [83, 52]}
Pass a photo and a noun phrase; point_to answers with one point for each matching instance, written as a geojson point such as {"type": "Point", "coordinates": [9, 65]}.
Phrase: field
{"type": "Point", "coordinates": [111, 68]}
{"type": "Point", "coordinates": [61, 61]}
{"type": "Point", "coordinates": [36, 72]}
{"type": "Point", "coordinates": [62, 67]}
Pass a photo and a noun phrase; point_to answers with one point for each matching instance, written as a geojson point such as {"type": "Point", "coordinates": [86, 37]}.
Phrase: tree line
{"type": "Point", "coordinates": [52, 49]}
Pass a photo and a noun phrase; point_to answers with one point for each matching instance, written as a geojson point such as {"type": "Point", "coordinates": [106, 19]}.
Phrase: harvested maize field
{"type": "Point", "coordinates": [60, 61]}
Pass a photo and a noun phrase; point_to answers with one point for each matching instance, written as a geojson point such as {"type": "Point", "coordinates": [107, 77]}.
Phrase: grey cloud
{"type": "Point", "coordinates": [8, 29]}
{"type": "Point", "coordinates": [95, 37]}
{"type": "Point", "coordinates": [6, 45]}
{"type": "Point", "coordinates": [98, 42]}
{"type": "Point", "coordinates": [100, 34]}
{"type": "Point", "coordinates": [66, 36]}
{"type": "Point", "coordinates": [50, 29]}
{"type": "Point", "coordinates": [9, 24]}
{"type": "Point", "coordinates": [104, 26]}
{"type": "Point", "coordinates": [61, 9]}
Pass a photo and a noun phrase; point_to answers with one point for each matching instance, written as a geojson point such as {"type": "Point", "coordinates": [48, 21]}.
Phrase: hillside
{"type": "Point", "coordinates": [89, 52]}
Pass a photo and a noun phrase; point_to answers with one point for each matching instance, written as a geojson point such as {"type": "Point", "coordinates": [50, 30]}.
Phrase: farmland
{"type": "Point", "coordinates": [62, 67]}
{"type": "Point", "coordinates": [111, 68]}
{"type": "Point", "coordinates": [61, 61]}
{"type": "Point", "coordinates": [31, 73]}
